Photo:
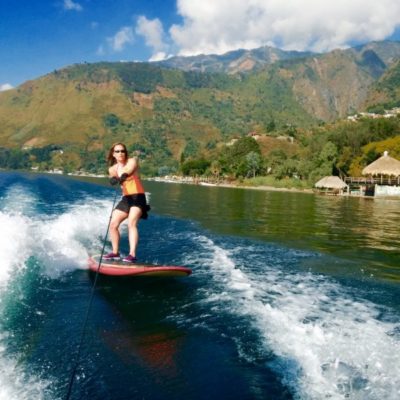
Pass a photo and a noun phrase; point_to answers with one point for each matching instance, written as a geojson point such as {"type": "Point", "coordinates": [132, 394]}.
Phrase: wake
{"type": "Point", "coordinates": [328, 343]}
{"type": "Point", "coordinates": [58, 244]}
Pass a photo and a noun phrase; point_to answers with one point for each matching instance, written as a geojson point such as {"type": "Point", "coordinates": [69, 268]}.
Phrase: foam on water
{"type": "Point", "coordinates": [13, 236]}
{"type": "Point", "coordinates": [329, 344]}
{"type": "Point", "coordinates": [15, 383]}
{"type": "Point", "coordinates": [17, 200]}
{"type": "Point", "coordinates": [60, 243]}
{"type": "Point", "coordinates": [67, 240]}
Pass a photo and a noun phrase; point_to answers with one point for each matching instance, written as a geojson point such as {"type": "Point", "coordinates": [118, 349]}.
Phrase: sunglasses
{"type": "Point", "coordinates": [119, 151]}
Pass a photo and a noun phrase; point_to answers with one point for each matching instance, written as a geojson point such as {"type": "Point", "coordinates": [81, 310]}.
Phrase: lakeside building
{"type": "Point", "coordinates": [331, 185]}
{"type": "Point", "coordinates": [380, 178]}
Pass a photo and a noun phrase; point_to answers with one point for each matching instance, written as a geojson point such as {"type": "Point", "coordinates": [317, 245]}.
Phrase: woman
{"type": "Point", "coordinates": [125, 171]}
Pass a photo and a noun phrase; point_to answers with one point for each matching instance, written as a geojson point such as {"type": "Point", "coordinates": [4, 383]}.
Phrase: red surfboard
{"type": "Point", "coordinates": [120, 268]}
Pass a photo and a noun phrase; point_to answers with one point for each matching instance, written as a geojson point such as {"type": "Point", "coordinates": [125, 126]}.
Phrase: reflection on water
{"type": "Point", "coordinates": [155, 345]}
{"type": "Point", "coordinates": [358, 229]}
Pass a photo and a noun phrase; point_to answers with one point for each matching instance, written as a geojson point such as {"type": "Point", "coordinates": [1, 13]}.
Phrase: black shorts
{"type": "Point", "coordinates": [134, 200]}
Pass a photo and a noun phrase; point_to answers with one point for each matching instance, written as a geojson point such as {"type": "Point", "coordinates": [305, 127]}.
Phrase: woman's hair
{"type": "Point", "coordinates": [110, 158]}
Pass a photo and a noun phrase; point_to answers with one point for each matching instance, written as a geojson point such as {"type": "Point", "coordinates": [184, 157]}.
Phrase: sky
{"type": "Point", "coordinates": [39, 36]}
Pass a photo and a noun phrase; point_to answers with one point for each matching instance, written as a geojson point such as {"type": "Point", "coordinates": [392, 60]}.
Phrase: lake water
{"type": "Point", "coordinates": [293, 296]}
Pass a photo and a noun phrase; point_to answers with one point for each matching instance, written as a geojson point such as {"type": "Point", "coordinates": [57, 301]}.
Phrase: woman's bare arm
{"type": "Point", "coordinates": [131, 166]}
{"type": "Point", "coordinates": [112, 171]}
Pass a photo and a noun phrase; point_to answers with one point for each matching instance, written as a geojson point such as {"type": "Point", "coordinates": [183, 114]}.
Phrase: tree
{"type": "Point", "coordinates": [164, 170]}
{"type": "Point", "coordinates": [215, 169]}
{"type": "Point", "coordinates": [328, 156]}
{"type": "Point", "coordinates": [253, 161]}
{"type": "Point", "coordinates": [288, 169]}
{"type": "Point", "coordinates": [233, 159]}
{"type": "Point", "coordinates": [371, 156]}
{"type": "Point", "coordinates": [328, 152]}
{"type": "Point", "coordinates": [191, 149]}
{"type": "Point", "coordinates": [195, 167]}
{"type": "Point", "coordinates": [344, 160]}
{"type": "Point", "coordinates": [111, 120]}
{"type": "Point", "coordinates": [244, 146]}
{"type": "Point", "coordinates": [271, 125]}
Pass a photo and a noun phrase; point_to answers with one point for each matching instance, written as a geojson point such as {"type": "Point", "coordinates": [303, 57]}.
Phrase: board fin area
{"type": "Point", "coordinates": [120, 268]}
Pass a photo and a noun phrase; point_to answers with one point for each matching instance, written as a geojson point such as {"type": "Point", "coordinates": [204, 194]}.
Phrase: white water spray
{"type": "Point", "coordinates": [329, 344]}
{"type": "Point", "coordinates": [60, 243]}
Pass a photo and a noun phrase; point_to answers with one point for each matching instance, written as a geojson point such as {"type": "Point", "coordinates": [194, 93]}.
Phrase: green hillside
{"type": "Point", "coordinates": [163, 113]}
{"type": "Point", "coordinates": [385, 93]}
{"type": "Point", "coordinates": [70, 117]}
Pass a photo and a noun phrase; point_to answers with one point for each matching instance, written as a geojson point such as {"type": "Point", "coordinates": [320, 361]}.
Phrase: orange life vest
{"type": "Point", "coordinates": [132, 185]}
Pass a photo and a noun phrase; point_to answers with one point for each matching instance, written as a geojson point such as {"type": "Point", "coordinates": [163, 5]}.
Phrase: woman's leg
{"type": "Point", "coordinates": [133, 219]}
{"type": "Point", "coordinates": [117, 217]}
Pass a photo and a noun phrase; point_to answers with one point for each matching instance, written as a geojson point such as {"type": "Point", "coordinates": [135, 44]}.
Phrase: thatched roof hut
{"type": "Point", "coordinates": [330, 182]}
{"type": "Point", "coordinates": [384, 165]}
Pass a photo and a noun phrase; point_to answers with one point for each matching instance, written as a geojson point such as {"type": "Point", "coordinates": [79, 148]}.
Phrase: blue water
{"type": "Point", "coordinates": [260, 318]}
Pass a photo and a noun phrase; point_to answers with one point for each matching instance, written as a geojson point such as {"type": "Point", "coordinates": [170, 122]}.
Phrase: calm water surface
{"type": "Point", "coordinates": [361, 230]}
{"type": "Point", "coordinates": [293, 296]}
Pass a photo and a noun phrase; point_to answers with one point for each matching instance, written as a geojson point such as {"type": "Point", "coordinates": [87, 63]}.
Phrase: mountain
{"type": "Point", "coordinates": [168, 113]}
{"type": "Point", "coordinates": [385, 93]}
{"type": "Point", "coordinates": [328, 86]}
{"type": "Point", "coordinates": [234, 61]}
{"type": "Point", "coordinates": [333, 85]}
{"type": "Point", "coordinates": [161, 112]}
{"type": "Point", "coordinates": [387, 51]}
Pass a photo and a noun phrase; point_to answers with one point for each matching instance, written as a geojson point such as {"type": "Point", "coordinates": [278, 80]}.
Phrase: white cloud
{"type": "Point", "coordinates": [123, 37]}
{"type": "Point", "coordinates": [5, 86]}
{"type": "Point", "coordinates": [153, 33]}
{"type": "Point", "coordinates": [72, 5]}
{"type": "Point", "coordinates": [158, 56]}
{"type": "Point", "coordinates": [211, 26]}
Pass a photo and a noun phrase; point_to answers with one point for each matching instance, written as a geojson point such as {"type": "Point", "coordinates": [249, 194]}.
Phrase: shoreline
{"type": "Point", "coordinates": [191, 181]}
{"type": "Point", "coordinates": [271, 188]}
{"type": "Point", "coordinates": [176, 180]}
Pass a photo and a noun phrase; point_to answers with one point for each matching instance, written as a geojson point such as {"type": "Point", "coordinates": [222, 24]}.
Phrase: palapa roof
{"type": "Point", "coordinates": [330, 182]}
{"type": "Point", "coordinates": [384, 165]}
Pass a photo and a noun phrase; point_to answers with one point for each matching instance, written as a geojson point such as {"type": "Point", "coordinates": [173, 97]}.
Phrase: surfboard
{"type": "Point", "coordinates": [120, 268]}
